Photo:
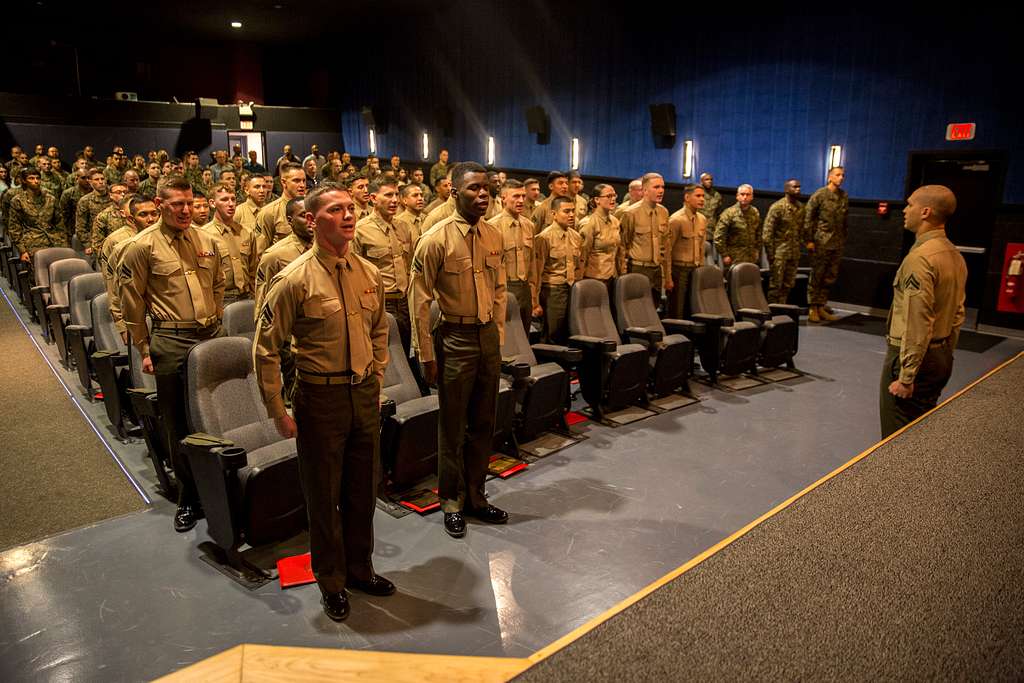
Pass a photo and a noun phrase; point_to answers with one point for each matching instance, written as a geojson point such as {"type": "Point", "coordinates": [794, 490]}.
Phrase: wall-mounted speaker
{"type": "Point", "coordinates": [538, 123]}
{"type": "Point", "coordinates": [375, 117]}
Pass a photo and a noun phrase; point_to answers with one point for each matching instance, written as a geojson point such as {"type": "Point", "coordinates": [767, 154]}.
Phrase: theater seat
{"type": "Point", "coordinates": [110, 361]}
{"type": "Point", "coordinates": [671, 353]}
{"type": "Point", "coordinates": [57, 309]}
{"type": "Point", "coordinates": [78, 333]}
{"type": "Point", "coordinates": [34, 284]}
{"type": "Point", "coordinates": [779, 323]}
{"type": "Point", "coordinates": [612, 374]}
{"type": "Point", "coordinates": [146, 413]}
{"type": "Point", "coordinates": [246, 473]}
{"type": "Point", "coordinates": [239, 319]}
{"type": "Point", "coordinates": [724, 344]}
{"type": "Point", "coordinates": [539, 375]}
{"type": "Point", "coordinates": [408, 438]}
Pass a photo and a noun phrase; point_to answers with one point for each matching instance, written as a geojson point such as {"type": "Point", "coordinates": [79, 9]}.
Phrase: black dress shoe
{"type": "Point", "coordinates": [489, 514]}
{"type": "Point", "coordinates": [455, 524]}
{"type": "Point", "coordinates": [378, 585]}
{"type": "Point", "coordinates": [185, 518]}
{"type": "Point", "coordinates": [335, 606]}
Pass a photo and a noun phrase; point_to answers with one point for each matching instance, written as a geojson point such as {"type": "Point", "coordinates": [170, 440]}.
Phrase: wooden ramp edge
{"type": "Point", "coordinates": [247, 663]}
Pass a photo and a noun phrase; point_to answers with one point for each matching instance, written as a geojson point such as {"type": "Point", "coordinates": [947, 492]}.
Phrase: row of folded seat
{"type": "Point", "coordinates": [248, 476]}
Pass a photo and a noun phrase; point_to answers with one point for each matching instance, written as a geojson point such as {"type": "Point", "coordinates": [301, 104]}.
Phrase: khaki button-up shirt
{"type": "Point", "coordinates": [517, 241]}
{"type": "Point", "coordinates": [466, 284]}
{"type": "Point", "coordinates": [272, 224]}
{"type": "Point", "coordinates": [644, 227]}
{"type": "Point", "coordinates": [273, 262]}
{"type": "Point", "coordinates": [388, 246]}
{"type": "Point", "coordinates": [687, 231]}
{"type": "Point", "coordinates": [414, 221]}
{"type": "Point", "coordinates": [245, 213]}
{"type": "Point", "coordinates": [156, 278]}
{"type": "Point", "coordinates": [440, 213]}
{"type": "Point", "coordinates": [928, 299]}
{"type": "Point", "coordinates": [556, 259]}
{"type": "Point", "coordinates": [238, 255]}
{"type": "Point", "coordinates": [333, 307]}
{"type": "Point", "coordinates": [108, 268]}
{"type": "Point", "coordinates": [602, 254]}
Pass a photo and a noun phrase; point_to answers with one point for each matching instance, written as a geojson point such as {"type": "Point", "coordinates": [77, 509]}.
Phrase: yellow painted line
{"type": "Point", "coordinates": [576, 633]}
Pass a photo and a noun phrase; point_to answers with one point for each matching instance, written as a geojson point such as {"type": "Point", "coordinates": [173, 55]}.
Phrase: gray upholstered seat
{"type": "Point", "coordinates": [780, 323]}
{"type": "Point", "coordinates": [36, 296]}
{"type": "Point", "coordinates": [239, 319]}
{"type": "Point", "coordinates": [110, 361]}
{"type": "Point", "coordinates": [723, 344]}
{"type": "Point", "coordinates": [78, 332]}
{"type": "Point", "coordinates": [408, 439]}
{"type": "Point", "coordinates": [612, 374]}
{"type": "Point", "coordinates": [671, 355]}
{"type": "Point", "coordinates": [253, 496]}
{"type": "Point", "coordinates": [56, 311]}
{"type": "Point", "coordinates": [541, 388]}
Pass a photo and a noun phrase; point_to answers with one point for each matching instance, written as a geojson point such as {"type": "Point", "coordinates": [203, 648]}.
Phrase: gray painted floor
{"type": "Point", "coordinates": [130, 599]}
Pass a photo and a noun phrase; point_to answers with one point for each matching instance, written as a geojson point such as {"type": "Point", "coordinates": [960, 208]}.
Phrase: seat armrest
{"type": "Point", "coordinates": [713, 319]}
{"type": "Point", "coordinates": [644, 335]}
{"type": "Point", "coordinates": [229, 456]}
{"type": "Point", "coordinates": [116, 359]}
{"type": "Point", "coordinates": [516, 370]}
{"type": "Point", "coordinates": [597, 344]}
{"type": "Point", "coordinates": [563, 355]}
{"type": "Point", "coordinates": [786, 309]}
{"type": "Point", "coordinates": [387, 408]}
{"type": "Point", "coordinates": [688, 328]}
{"type": "Point", "coordinates": [753, 314]}
{"type": "Point", "coordinates": [41, 289]}
{"type": "Point", "coordinates": [84, 330]}
{"type": "Point", "coordinates": [144, 402]}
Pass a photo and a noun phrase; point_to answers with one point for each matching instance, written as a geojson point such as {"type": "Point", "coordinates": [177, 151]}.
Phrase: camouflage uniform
{"type": "Point", "coordinates": [438, 170]}
{"type": "Point", "coordinates": [147, 188]}
{"type": "Point", "coordinates": [66, 208]}
{"type": "Point", "coordinates": [782, 235]}
{"type": "Point", "coordinates": [192, 175]}
{"type": "Point", "coordinates": [52, 183]}
{"type": "Point", "coordinates": [113, 174]}
{"type": "Point", "coordinates": [712, 203]}
{"type": "Point", "coordinates": [108, 220]}
{"type": "Point", "coordinates": [32, 221]}
{"type": "Point", "coordinates": [5, 203]}
{"type": "Point", "coordinates": [89, 207]}
{"type": "Point", "coordinates": [825, 225]}
{"type": "Point", "coordinates": [737, 234]}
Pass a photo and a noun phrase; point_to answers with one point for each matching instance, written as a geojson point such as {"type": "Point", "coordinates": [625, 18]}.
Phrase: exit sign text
{"type": "Point", "coordinates": [960, 131]}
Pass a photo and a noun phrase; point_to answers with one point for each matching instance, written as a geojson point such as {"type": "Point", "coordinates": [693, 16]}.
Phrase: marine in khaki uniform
{"type": "Point", "coordinates": [687, 233]}
{"type": "Point", "coordinates": [235, 244]}
{"type": "Point", "coordinates": [411, 197]}
{"type": "Point", "coordinates": [634, 193]}
{"type": "Point", "coordinates": [825, 229]}
{"type": "Point", "coordinates": [109, 219]}
{"type": "Point", "coordinates": [533, 196]}
{"type": "Point", "coordinates": [255, 197]}
{"type": "Point", "coordinates": [329, 300]}
{"type": "Point", "coordinates": [32, 217]}
{"type": "Point", "coordinates": [271, 222]}
{"type": "Point", "coordinates": [273, 261]}
{"type": "Point", "coordinates": [712, 202]}
{"type": "Point", "coordinates": [386, 243]}
{"type": "Point", "coordinates": [517, 233]}
{"type": "Point", "coordinates": [927, 312]}
{"type": "Point", "coordinates": [143, 213]}
{"type": "Point", "coordinates": [580, 200]}
{"type": "Point", "coordinates": [558, 186]}
{"type": "Point", "coordinates": [444, 210]}
{"type": "Point", "coordinates": [459, 265]}
{"type": "Point", "coordinates": [738, 230]}
{"type": "Point", "coordinates": [644, 227]}
{"type": "Point", "coordinates": [783, 229]}
{"type": "Point", "coordinates": [89, 207]}
{"type": "Point", "coordinates": [172, 273]}
{"type": "Point", "coordinates": [442, 191]}
{"type": "Point", "coordinates": [602, 256]}
{"type": "Point", "coordinates": [556, 266]}
{"type": "Point", "coordinates": [359, 189]}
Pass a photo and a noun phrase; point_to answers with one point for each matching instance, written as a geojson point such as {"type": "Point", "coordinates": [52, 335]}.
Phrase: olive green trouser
{"type": "Point", "coordinates": [931, 378]}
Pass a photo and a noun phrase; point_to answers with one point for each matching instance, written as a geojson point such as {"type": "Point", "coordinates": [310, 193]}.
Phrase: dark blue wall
{"type": "Point", "coordinates": [135, 139]}
{"type": "Point", "coordinates": [762, 96]}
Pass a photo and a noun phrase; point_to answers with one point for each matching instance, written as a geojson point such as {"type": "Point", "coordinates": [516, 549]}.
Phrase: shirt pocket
{"type": "Point", "coordinates": [378, 253]}
{"type": "Point", "coordinates": [492, 261]}
{"type": "Point", "coordinates": [165, 268]}
{"type": "Point", "coordinates": [324, 314]}
{"type": "Point", "coordinates": [454, 265]}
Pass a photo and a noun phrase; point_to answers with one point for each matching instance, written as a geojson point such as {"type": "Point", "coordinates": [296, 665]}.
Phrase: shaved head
{"type": "Point", "coordinates": [939, 198]}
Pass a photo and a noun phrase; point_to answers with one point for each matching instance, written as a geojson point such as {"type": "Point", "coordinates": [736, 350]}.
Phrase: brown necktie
{"type": "Point", "coordinates": [483, 314]}
{"type": "Point", "coordinates": [654, 236]}
{"type": "Point", "coordinates": [520, 263]}
{"type": "Point", "coordinates": [187, 256]}
{"type": "Point", "coordinates": [358, 353]}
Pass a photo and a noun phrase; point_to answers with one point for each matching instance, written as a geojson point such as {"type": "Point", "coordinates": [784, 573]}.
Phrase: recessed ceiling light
{"type": "Point", "coordinates": [236, 24]}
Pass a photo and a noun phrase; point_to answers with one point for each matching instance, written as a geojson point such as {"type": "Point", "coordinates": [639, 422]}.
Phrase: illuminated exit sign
{"type": "Point", "coordinates": [960, 131]}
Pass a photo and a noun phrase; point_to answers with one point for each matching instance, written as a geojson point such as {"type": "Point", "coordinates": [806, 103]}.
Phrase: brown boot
{"type": "Point", "coordinates": [825, 315]}
{"type": "Point", "coordinates": [812, 316]}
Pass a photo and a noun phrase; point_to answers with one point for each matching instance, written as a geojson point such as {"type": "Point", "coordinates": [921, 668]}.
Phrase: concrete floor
{"type": "Point", "coordinates": [130, 599]}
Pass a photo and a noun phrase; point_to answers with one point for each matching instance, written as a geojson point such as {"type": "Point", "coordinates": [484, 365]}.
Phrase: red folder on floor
{"type": "Point", "coordinates": [295, 571]}
{"type": "Point", "coordinates": [572, 417]}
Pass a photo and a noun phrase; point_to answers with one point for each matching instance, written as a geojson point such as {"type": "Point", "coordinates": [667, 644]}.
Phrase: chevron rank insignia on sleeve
{"type": "Point", "coordinates": [267, 315]}
{"type": "Point", "coordinates": [911, 282]}
{"type": "Point", "coordinates": [126, 272]}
